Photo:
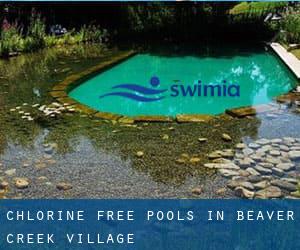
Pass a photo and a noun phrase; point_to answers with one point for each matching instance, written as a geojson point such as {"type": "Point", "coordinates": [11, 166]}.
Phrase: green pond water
{"type": "Point", "coordinates": [258, 76]}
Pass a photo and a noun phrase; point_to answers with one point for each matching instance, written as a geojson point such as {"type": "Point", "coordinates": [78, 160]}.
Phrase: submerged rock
{"type": "Point", "coordinates": [244, 193]}
{"type": "Point", "coordinates": [226, 137]}
{"type": "Point", "coordinates": [268, 193]}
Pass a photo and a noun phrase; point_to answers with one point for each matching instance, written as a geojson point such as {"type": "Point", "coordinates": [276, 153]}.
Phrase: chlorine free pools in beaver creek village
{"type": "Point", "coordinates": [172, 84]}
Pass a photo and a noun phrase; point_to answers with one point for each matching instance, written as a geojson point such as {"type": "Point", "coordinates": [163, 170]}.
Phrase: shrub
{"type": "Point", "coordinates": [291, 29]}
{"type": "Point", "coordinates": [10, 40]}
{"type": "Point", "coordinates": [92, 33]}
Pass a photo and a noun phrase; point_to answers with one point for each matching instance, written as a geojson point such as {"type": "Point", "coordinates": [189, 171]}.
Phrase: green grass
{"type": "Point", "coordinates": [296, 52]}
{"type": "Point", "coordinates": [245, 7]}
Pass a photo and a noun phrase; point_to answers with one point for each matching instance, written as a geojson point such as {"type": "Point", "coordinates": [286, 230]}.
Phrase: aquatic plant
{"type": "Point", "coordinates": [10, 39]}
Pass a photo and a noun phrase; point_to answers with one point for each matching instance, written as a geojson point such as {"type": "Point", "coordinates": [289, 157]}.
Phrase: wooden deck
{"type": "Point", "coordinates": [288, 58]}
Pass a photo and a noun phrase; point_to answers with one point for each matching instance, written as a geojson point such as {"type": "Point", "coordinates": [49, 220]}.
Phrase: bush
{"type": "Point", "coordinates": [10, 40]}
{"type": "Point", "coordinates": [291, 29]}
{"type": "Point", "coordinates": [92, 33]}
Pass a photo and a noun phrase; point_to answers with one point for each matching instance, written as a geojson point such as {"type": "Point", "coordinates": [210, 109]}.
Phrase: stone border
{"type": "Point", "coordinates": [60, 93]}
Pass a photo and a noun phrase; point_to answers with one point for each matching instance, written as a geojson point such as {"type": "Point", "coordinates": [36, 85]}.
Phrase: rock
{"type": "Point", "coordinates": [256, 157]}
{"type": "Point", "coordinates": [284, 185]}
{"type": "Point", "coordinates": [244, 173]}
{"type": "Point", "coordinates": [139, 154]}
{"type": "Point", "coordinates": [236, 183]}
{"type": "Point", "coordinates": [221, 166]}
{"type": "Point", "coordinates": [263, 141]}
{"type": "Point", "coordinates": [274, 153]}
{"type": "Point", "coordinates": [268, 193]}
{"type": "Point", "coordinates": [254, 146]}
{"type": "Point", "coordinates": [243, 193]}
{"type": "Point", "coordinates": [240, 146]}
{"type": "Point", "coordinates": [245, 163]}
{"type": "Point", "coordinates": [221, 160]}
{"type": "Point", "coordinates": [289, 140]}
{"type": "Point", "coordinates": [294, 155]}
{"type": "Point", "coordinates": [202, 139]}
{"type": "Point", "coordinates": [64, 186]}
{"type": "Point", "coordinates": [197, 191]}
{"type": "Point", "coordinates": [252, 171]}
{"type": "Point", "coordinates": [266, 164]}
{"type": "Point", "coordinates": [277, 171]}
{"type": "Point", "coordinates": [264, 149]}
{"type": "Point", "coordinates": [284, 148]}
{"type": "Point", "coordinates": [286, 166]}
{"type": "Point", "coordinates": [276, 141]}
{"type": "Point", "coordinates": [4, 185]}
{"type": "Point", "coordinates": [165, 137]}
{"type": "Point", "coordinates": [263, 170]}
{"type": "Point", "coordinates": [261, 185]}
{"type": "Point", "coordinates": [195, 160]}
{"type": "Point", "coordinates": [227, 154]}
{"type": "Point", "coordinates": [221, 191]}
{"type": "Point", "coordinates": [226, 137]}
{"type": "Point", "coordinates": [21, 183]}
{"type": "Point", "coordinates": [214, 155]}
{"type": "Point", "coordinates": [10, 172]}
{"type": "Point", "coordinates": [248, 151]}
{"type": "Point", "coordinates": [228, 172]}
{"type": "Point", "coordinates": [254, 178]}
{"type": "Point", "coordinates": [181, 161]}
{"type": "Point", "coordinates": [290, 180]}
{"type": "Point", "coordinates": [273, 160]}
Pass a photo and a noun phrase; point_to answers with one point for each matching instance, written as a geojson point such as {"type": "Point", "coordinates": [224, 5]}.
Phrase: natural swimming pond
{"type": "Point", "coordinates": [151, 84]}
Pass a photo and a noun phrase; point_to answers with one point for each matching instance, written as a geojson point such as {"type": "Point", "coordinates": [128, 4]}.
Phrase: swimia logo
{"type": "Point", "coordinates": [151, 94]}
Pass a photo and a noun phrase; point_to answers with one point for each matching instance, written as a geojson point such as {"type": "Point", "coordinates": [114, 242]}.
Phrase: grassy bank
{"type": "Point", "coordinates": [14, 40]}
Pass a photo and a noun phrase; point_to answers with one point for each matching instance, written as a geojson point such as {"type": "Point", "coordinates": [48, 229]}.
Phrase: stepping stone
{"type": "Point", "coordinates": [243, 193]}
{"type": "Point", "coordinates": [273, 160]}
{"type": "Point", "coordinates": [248, 151]}
{"type": "Point", "coordinates": [275, 153]}
{"type": "Point", "coordinates": [284, 185]}
{"type": "Point", "coordinates": [286, 166]}
{"type": "Point", "coordinates": [221, 166]}
{"type": "Point", "coordinates": [228, 172]}
{"type": "Point", "coordinates": [255, 178]}
{"type": "Point", "coordinates": [236, 183]}
{"type": "Point", "coordinates": [261, 185]}
{"type": "Point", "coordinates": [252, 171]}
{"type": "Point", "coordinates": [294, 155]}
{"type": "Point", "coordinates": [254, 146]}
{"type": "Point", "coordinates": [263, 141]}
{"type": "Point", "coordinates": [276, 141]}
{"type": "Point", "coordinates": [263, 170]}
{"type": "Point", "coordinates": [284, 148]}
{"type": "Point", "coordinates": [277, 171]}
{"type": "Point", "coordinates": [269, 192]}
{"type": "Point", "coordinates": [240, 146]}
{"type": "Point", "coordinates": [290, 180]}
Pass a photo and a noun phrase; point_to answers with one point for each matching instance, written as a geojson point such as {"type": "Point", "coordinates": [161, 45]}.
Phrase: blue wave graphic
{"type": "Point", "coordinates": [133, 96]}
{"type": "Point", "coordinates": [140, 89]}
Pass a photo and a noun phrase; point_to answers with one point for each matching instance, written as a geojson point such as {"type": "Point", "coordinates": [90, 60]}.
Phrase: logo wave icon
{"type": "Point", "coordinates": [138, 92]}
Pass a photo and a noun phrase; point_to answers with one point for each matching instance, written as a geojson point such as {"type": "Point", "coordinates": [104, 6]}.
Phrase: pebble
{"type": "Point", "coordinates": [252, 171]}
{"type": "Point", "coordinates": [197, 191]}
{"type": "Point", "coordinates": [221, 191]}
{"type": "Point", "coordinates": [294, 155]}
{"type": "Point", "coordinates": [226, 137]}
{"type": "Point", "coordinates": [286, 166]}
{"type": "Point", "coordinates": [275, 153]}
{"type": "Point", "coordinates": [236, 183]}
{"type": "Point", "coordinates": [221, 166]}
{"type": "Point", "coordinates": [277, 171]}
{"type": "Point", "coordinates": [195, 160]}
{"type": "Point", "coordinates": [261, 185]}
{"type": "Point", "coordinates": [254, 146]}
{"type": "Point", "coordinates": [228, 172]}
{"type": "Point", "coordinates": [202, 139]}
{"type": "Point", "coordinates": [240, 146]}
{"type": "Point", "coordinates": [10, 172]}
{"type": "Point", "coordinates": [4, 185]}
{"type": "Point", "coordinates": [21, 183]}
{"type": "Point", "coordinates": [263, 141]}
{"type": "Point", "coordinates": [263, 170]}
{"type": "Point", "coordinates": [244, 193]}
{"type": "Point", "coordinates": [64, 186]}
{"type": "Point", "coordinates": [248, 151]}
{"type": "Point", "coordinates": [284, 185]}
{"type": "Point", "coordinates": [139, 154]}
{"type": "Point", "coordinates": [269, 192]}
